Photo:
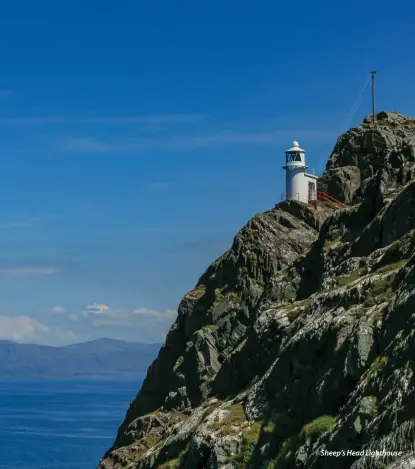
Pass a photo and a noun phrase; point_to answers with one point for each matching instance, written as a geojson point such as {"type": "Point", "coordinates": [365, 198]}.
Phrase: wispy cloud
{"type": "Point", "coordinates": [28, 270]}
{"type": "Point", "coordinates": [85, 145]}
{"type": "Point", "coordinates": [143, 321]}
{"type": "Point", "coordinates": [208, 245]}
{"type": "Point", "coordinates": [103, 120]}
{"type": "Point", "coordinates": [24, 222]}
{"type": "Point", "coordinates": [191, 141]}
{"type": "Point", "coordinates": [154, 313]}
{"type": "Point", "coordinates": [160, 230]}
{"type": "Point", "coordinates": [175, 230]}
{"type": "Point", "coordinates": [58, 309]}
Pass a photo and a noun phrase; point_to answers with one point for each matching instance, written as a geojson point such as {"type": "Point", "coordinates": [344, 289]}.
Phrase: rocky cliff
{"type": "Point", "coordinates": [298, 340]}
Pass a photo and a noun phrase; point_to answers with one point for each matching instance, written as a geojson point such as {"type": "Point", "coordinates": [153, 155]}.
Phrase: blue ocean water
{"type": "Point", "coordinates": [48, 424]}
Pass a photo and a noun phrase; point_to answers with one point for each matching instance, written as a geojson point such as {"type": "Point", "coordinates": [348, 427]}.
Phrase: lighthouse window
{"type": "Point", "coordinates": [293, 156]}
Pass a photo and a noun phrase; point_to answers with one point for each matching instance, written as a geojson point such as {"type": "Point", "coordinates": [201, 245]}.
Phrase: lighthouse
{"type": "Point", "coordinates": [300, 185]}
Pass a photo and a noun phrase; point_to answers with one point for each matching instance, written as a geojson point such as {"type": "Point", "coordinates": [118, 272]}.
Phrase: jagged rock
{"type": "Point", "coordinates": [343, 183]}
{"type": "Point", "coordinates": [301, 337]}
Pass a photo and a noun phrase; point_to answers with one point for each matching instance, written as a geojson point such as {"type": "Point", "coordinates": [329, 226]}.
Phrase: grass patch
{"type": "Point", "coordinates": [233, 296]}
{"type": "Point", "coordinates": [310, 431]}
{"type": "Point", "coordinates": [250, 439]}
{"type": "Point", "coordinates": [390, 267]}
{"type": "Point", "coordinates": [342, 281]}
{"type": "Point", "coordinates": [235, 417]}
{"type": "Point", "coordinates": [319, 426]}
{"type": "Point", "coordinates": [380, 291]}
{"type": "Point", "coordinates": [258, 282]}
{"type": "Point", "coordinates": [197, 292]}
{"type": "Point", "coordinates": [328, 244]}
{"type": "Point", "coordinates": [218, 295]}
{"type": "Point", "coordinates": [145, 444]}
{"type": "Point", "coordinates": [295, 309]}
{"type": "Point", "coordinates": [252, 434]}
{"type": "Point", "coordinates": [269, 427]}
{"type": "Point", "coordinates": [373, 407]}
{"type": "Point", "coordinates": [377, 366]}
{"type": "Point", "coordinates": [176, 462]}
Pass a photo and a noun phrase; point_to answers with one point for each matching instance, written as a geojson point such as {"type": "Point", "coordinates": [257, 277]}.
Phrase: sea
{"type": "Point", "coordinates": [60, 424]}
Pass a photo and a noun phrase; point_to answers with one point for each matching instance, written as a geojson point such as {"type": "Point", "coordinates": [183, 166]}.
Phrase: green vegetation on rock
{"type": "Point", "coordinates": [310, 432]}
{"type": "Point", "coordinates": [176, 462]}
{"type": "Point", "coordinates": [235, 416]}
{"type": "Point", "coordinates": [250, 439]}
{"type": "Point", "coordinates": [145, 444]}
{"type": "Point", "coordinates": [381, 290]}
{"type": "Point", "coordinates": [376, 367]}
{"type": "Point", "coordinates": [392, 266]}
{"type": "Point", "coordinates": [342, 281]}
{"type": "Point", "coordinates": [319, 426]}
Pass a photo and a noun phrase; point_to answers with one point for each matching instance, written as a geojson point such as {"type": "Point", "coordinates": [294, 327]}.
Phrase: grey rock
{"type": "Point", "coordinates": [300, 338]}
{"type": "Point", "coordinates": [343, 183]}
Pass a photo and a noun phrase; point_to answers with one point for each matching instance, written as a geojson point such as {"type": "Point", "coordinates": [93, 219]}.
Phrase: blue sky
{"type": "Point", "coordinates": [137, 138]}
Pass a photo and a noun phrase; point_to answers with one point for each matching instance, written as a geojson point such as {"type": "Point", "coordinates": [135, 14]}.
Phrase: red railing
{"type": "Point", "coordinates": [313, 196]}
{"type": "Point", "coordinates": [328, 198]}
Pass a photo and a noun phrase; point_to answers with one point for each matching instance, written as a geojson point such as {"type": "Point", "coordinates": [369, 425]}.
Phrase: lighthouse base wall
{"type": "Point", "coordinates": [296, 185]}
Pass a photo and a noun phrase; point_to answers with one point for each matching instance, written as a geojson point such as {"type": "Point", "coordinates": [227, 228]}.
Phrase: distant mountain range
{"type": "Point", "coordinates": [99, 358]}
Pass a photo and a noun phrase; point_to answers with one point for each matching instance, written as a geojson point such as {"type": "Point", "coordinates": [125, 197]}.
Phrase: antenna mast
{"type": "Point", "coordinates": [373, 73]}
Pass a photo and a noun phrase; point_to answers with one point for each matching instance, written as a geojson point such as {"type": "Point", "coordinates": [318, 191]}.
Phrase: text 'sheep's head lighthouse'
{"type": "Point", "coordinates": [299, 185]}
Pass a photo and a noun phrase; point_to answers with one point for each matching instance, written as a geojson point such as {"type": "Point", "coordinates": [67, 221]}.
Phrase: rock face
{"type": "Point", "coordinates": [299, 339]}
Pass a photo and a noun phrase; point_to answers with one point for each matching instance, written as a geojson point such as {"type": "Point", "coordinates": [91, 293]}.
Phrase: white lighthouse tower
{"type": "Point", "coordinates": [299, 185]}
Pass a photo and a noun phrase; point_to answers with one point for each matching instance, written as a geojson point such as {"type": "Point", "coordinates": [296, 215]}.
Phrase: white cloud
{"type": "Point", "coordinates": [20, 328]}
{"type": "Point", "coordinates": [28, 270]}
{"type": "Point", "coordinates": [168, 313]}
{"type": "Point", "coordinates": [27, 329]}
{"type": "Point", "coordinates": [103, 315]}
{"type": "Point", "coordinates": [95, 320]}
{"type": "Point", "coordinates": [96, 310]}
{"type": "Point", "coordinates": [139, 324]}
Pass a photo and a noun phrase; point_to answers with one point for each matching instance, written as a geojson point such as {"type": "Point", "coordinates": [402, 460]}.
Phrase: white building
{"type": "Point", "coordinates": [299, 184]}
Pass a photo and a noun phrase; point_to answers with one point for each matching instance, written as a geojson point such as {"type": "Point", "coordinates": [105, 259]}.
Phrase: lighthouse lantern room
{"type": "Point", "coordinates": [299, 185]}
